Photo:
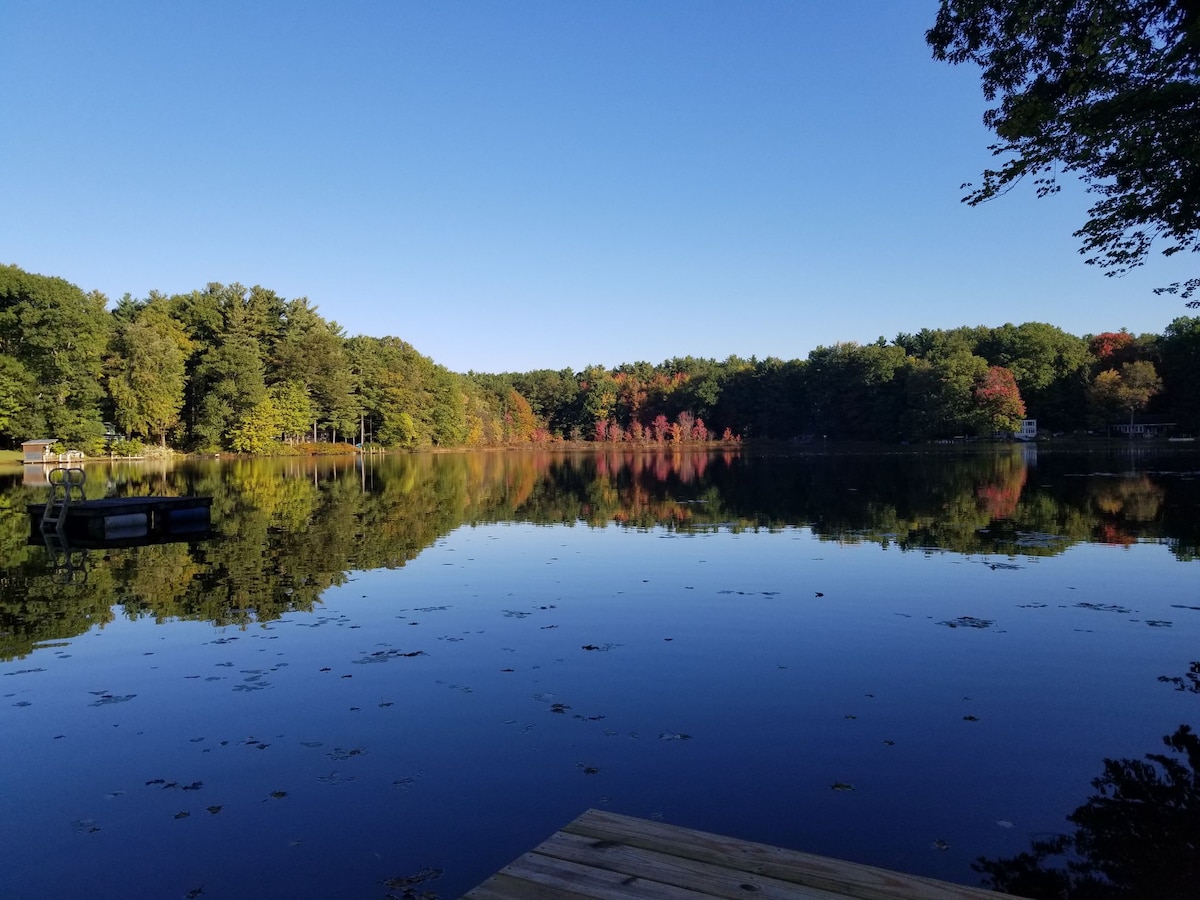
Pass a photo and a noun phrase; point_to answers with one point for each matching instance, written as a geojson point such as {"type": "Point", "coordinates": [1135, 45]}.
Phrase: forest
{"type": "Point", "coordinates": [233, 369]}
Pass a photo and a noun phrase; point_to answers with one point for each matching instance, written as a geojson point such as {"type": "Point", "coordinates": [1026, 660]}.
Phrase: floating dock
{"type": "Point", "coordinates": [605, 855]}
{"type": "Point", "coordinates": [127, 519]}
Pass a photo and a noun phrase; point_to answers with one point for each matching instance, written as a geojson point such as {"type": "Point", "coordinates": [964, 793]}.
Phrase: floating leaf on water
{"type": "Point", "coordinates": [842, 786]}
{"type": "Point", "coordinates": [588, 770]}
{"type": "Point", "coordinates": [214, 809]}
{"type": "Point", "coordinates": [558, 707]}
{"type": "Point", "coordinates": [108, 699]}
{"type": "Point", "coordinates": [968, 622]}
{"type": "Point", "coordinates": [182, 814]}
{"type": "Point", "coordinates": [939, 844]}
{"type": "Point", "coordinates": [381, 656]}
{"type": "Point", "coordinates": [278, 795]}
{"type": "Point", "coordinates": [970, 718]}
{"type": "Point", "coordinates": [1104, 607]}
{"type": "Point", "coordinates": [889, 742]}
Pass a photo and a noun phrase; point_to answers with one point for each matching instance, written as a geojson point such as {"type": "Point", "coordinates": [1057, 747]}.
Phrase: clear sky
{"type": "Point", "coordinates": [519, 184]}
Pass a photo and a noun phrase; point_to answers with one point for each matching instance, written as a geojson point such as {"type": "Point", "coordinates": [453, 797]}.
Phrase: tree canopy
{"type": "Point", "coordinates": [1108, 89]}
{"type": "Point", "coordinates": [243, 369]}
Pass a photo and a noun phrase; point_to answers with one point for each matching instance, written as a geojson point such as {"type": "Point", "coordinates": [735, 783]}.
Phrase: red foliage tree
{"type": "Point", "coordinates": [661, 428]}
{"type": "Point", "coordinates": [682, 429]}
{"type": "Point", "coordinates": [1105, 345]}
{"type": "Point", "coordinates": [998, 400]}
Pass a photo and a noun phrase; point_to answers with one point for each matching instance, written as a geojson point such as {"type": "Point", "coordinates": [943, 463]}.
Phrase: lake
{"type": "Point", "coordinates": [389, 678]}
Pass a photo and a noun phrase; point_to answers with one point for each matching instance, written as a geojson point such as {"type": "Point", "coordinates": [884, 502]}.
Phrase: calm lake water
{"type": "Point", "coordinates": [392, 678]}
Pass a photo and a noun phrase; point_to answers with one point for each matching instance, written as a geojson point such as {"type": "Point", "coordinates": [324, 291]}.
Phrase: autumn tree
{"type": "Point", "coordinates": [1107, 89]}
{"type": "Point", "coordinates": [1130, 389]}
{"type": "Point", "coordinates": [520, 422]}
{"type": "Point", "coordinates": [999, 400]}
{"type": "Point", "coordinates": [1108, 344]}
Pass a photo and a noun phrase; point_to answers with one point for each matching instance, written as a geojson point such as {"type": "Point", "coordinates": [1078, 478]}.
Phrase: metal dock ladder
{"type": "Point", "coordinates": [66, 486]}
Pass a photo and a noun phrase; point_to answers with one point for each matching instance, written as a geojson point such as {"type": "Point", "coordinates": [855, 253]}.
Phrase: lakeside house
{"type": "Point", "coordinates": [1141, 426]}
{"type": "Point", "coordinates": [37, 450]}
{"type": "Point", "coordinates": [40, 450]}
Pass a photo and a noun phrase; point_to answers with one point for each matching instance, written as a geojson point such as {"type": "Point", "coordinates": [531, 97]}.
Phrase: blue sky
{"type": "Point", "coordinates": [518, 185]}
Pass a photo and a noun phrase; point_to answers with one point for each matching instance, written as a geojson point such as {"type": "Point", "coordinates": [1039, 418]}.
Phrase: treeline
{"type": "Point", "coordinates": [243, 369]}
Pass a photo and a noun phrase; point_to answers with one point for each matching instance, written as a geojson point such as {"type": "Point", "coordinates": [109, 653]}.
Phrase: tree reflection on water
{"type": "Point", "coordinates": [285, 530]}
{"type": "Point", "coordinates": [1137, 837]}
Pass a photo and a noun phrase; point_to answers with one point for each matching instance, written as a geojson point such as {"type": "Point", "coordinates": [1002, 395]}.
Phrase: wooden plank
{"type": "Point", "coordinates": [710, 879]}
{"type": "Point", "coordinates": [837, 876]}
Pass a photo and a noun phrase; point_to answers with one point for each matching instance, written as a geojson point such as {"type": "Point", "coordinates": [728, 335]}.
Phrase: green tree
{"type": "Point", "coordinates": [293, 407]}
{"type": "Point", "coordinates": [257, 430]}
{"type": "Point", "coordinates": [1179, 350]}
{"type": "Point", "coordinates": [312, 352]}
{"type": "Point", "coordinates": [229, 383]}
{"type": "Point", "coordinates": [1108, 89]}
{"type": "Point", "coordinates": [15, 388]}
{"type": "Point", "coordinates": [1051, 368]}
{"type": "Point", "coordinates": [147, 370]}
{"type": "Point", "coordinates": [58, 334]}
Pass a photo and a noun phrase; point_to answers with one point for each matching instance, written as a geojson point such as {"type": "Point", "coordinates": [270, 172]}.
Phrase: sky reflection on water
{"type": "Point", "coordinates": [909, 709]}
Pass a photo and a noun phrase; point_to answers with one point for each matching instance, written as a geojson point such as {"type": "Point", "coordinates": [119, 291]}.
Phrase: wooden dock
{"type": "Point", "coordinates": [127, 519]}
{"type": "Point", "coordinates": [603, 855]}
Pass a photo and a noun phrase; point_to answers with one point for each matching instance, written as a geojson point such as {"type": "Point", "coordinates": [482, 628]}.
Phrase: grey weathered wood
{"type": "Point", "coordinates": [712, 880]}
{"type": "Point", "coordinates": [604, 856]}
